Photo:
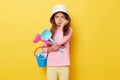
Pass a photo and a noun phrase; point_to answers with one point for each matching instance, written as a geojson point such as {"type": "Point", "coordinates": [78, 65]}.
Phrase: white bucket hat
{"type": "Point", "coordinates": [58, 8]}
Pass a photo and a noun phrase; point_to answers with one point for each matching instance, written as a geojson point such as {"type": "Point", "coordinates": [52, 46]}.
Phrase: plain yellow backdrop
{"type": "Point", "coordinates": [95, 44]}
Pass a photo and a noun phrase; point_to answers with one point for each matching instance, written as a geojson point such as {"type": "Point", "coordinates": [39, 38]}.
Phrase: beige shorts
{"type": "Point", "coordinates": [58, 72]}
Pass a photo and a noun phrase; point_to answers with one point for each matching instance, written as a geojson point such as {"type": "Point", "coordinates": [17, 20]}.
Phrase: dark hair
{"type": "Point", "coordinates": [66, 28]}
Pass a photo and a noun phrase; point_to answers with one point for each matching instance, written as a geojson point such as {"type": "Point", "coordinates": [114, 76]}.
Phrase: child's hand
{"type": "Point", "coordinates": [64, 23]}
{"type": "Point", "coordinates": [53, 48]}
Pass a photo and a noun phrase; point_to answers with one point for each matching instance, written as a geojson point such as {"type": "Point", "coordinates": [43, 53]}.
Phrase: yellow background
{"type": "Point", "coordinates": [95, 44]}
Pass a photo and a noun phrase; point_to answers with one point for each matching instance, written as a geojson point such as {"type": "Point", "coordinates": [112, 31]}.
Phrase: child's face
{"type": "Point", "coordinates": [59, 18]}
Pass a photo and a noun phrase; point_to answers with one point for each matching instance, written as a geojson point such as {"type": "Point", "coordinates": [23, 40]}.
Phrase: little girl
{"type": "Point", "coordinates": [58, 62]}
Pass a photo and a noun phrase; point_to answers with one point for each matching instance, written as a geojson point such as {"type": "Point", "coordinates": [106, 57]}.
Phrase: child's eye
{"type": "Point", "coordinates": [56, 16]}
{"type": "Point", "coordinates": [63, 16]}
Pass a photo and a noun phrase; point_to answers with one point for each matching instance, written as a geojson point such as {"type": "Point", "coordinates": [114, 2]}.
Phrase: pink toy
{"type": "Point", "coordinates": [38, 38]}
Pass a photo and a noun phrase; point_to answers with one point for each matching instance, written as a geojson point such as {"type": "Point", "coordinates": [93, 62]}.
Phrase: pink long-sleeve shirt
{"type": "Point", "coordinates": [56, 58]}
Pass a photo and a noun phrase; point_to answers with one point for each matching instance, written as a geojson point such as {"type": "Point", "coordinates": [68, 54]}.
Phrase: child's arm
{"type": "Point", "coordinates": [53, 48]}
{"type": "Point", "coordinates": [61, 39]}
{"type": "Point", "coordinates": [50, 49]}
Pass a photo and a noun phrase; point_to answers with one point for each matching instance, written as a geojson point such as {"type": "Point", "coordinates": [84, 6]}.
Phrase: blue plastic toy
{"type": "Point", "coordinates": [41, 60]}
{"type": "Point", "coordinates": [46, 35]}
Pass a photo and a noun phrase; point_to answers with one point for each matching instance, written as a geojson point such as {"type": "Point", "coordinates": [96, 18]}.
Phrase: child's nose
{"type": "Point", "coordinates": [59, 19]}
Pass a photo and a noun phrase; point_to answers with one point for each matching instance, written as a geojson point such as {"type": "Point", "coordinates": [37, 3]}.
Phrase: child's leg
{"type": "Point", "coordinates": [51, 73]}
{"type": "Point", "coordinates": [63, 73]}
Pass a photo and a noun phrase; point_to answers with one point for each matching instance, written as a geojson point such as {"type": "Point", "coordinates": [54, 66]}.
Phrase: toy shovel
{"type": "Point", "coordinates": [46, 35]}
{"type": "Point", "coordinates": [38, 38]}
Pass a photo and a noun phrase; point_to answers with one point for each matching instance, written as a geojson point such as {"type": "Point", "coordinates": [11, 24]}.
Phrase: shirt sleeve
{"type": "Point", "coordinates": [61, 39]}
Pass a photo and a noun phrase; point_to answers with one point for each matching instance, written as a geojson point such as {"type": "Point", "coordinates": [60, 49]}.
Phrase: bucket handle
{"type": "Point", "coordinates": [38, 48]}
